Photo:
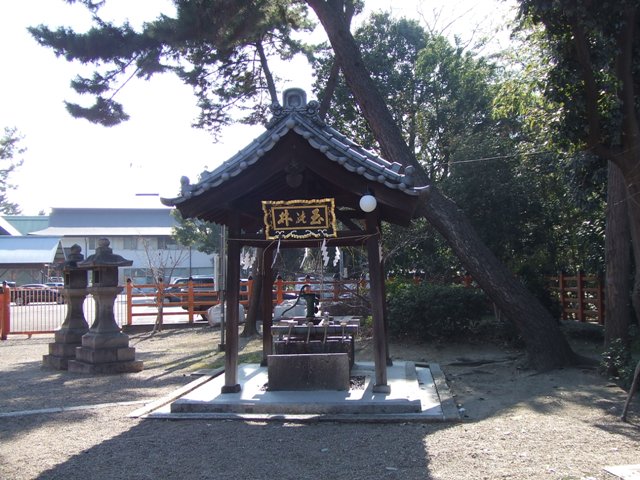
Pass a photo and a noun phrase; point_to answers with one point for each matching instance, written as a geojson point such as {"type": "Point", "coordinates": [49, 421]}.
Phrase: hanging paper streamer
{"type": "Point", "coordinates": [325, 252]}
{"type": "Point", "coordinates": [336, 258]}
{"type": "Point", "coordinates": [248, 258]}
{"type": "Point", "coordinates": [244, 261]}
{"type": "Point", "coordinates": [307, 254]}
{"type": "Point", "coordinates": [275, 257]}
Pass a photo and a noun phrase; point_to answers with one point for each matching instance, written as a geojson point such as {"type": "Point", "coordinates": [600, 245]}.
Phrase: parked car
{"type": "Point", "coordinates": [144, 296]}
{"type": "Point", "coordinates": [178, 290]}
{"type": "Point", "coordinates": [36, 293]}
{"type": "Point", "coordinates": [204, 293]}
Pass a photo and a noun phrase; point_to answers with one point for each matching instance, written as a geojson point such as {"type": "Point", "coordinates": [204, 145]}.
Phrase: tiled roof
{"type": "Point", "coordinates": [302, 118]}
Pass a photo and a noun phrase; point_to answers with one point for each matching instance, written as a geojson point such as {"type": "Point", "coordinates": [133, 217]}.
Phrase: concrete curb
{"type": "Point", "coordinates": [161, 409]}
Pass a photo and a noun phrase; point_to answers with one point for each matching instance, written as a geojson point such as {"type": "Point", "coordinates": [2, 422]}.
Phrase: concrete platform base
{"type": "Point", "coordinates": [77, 366]}
{"type": "Point", "coordinates": [59, 355]}
{"type": "Point", "coordinates": [416, 393]}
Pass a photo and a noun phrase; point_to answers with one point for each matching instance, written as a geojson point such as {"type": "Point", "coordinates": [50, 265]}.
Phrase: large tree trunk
{"type": "Point", "coordinates": [626, 156]}
{"type": "Point", "coordinates": [546, 346]}
{"type": "Point", "coordinates": [617, 259]}
{"type": "Point", "coordinates": [633, 206]}
{"type": "Point", "coordinates": [628, 161]}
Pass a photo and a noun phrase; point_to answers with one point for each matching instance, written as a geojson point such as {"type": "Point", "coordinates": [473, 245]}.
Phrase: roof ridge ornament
{"type": "Point", "coordinates": [294, 100]}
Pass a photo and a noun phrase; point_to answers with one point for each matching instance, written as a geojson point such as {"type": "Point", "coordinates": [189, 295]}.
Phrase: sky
{"type": "Point", "coordinates": [73, 163]}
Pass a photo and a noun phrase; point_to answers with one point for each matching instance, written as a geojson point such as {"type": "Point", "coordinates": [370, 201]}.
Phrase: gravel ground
{"type": "Point", "coordinates": [517, 424]}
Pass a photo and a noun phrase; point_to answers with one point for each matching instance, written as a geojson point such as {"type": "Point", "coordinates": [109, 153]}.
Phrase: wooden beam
{"type": "Point", "coordinates": [345, 238]}
{"type": "Point", "coordinates": [347, 216]}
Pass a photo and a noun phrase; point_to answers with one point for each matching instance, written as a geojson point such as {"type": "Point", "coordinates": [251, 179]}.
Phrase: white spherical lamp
{"type": "Point", "coordinates": [368, 203]}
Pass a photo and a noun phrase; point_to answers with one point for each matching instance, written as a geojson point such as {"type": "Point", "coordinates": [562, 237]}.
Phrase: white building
{"type": "Point", "coordinates": [139, 234]}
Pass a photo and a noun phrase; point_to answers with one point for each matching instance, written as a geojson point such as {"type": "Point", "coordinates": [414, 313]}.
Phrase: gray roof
{"type": "Point", "coordinates": [302, 118]}
{"type": "Point", "coordinates": [27, 250]}
{"type": "Point", "coordinates": [74, 222]}
{"type": "Point", "coordinates": [105, 231]}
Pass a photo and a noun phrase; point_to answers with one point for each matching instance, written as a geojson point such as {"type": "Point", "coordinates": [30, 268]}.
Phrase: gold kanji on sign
{"type": "Point", "coordinates": [299, 218]}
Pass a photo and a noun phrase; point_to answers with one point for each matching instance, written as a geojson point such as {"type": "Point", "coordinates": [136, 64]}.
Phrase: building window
{"type": "Point", "coordinates": [92, 243]}
{"type": "Point", "coordinates": [167, 243]}
{"type": "Point", "coordinates": [130, 243]}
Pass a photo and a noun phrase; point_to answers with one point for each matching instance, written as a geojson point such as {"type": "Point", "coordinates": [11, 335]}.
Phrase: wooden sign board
{"type": "Point", "coordinates": [299, 218]}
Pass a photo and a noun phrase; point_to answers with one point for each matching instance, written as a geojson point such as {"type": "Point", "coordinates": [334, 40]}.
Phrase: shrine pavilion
{"type": "Point", "coordinates": [299, 184]}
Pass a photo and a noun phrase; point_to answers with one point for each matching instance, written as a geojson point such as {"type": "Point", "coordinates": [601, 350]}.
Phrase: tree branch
{"type": "Point", "coordinates": [624, 67]}
{"type": "Point", "coordinates": [267, 72]}
{"type": "Point", "coordinates": [591, 87]}
{"type": "Point", "coordinates": [374, 107]}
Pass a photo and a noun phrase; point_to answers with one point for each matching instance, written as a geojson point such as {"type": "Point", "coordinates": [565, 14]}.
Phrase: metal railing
{"type": "Point", "coordinates": [42, 314]}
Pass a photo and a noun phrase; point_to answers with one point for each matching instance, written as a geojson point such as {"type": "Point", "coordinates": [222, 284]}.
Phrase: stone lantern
{"type": "Point", "coordinates": [105, 349]}
{"type": "Point", "coordinates": [69, 336]}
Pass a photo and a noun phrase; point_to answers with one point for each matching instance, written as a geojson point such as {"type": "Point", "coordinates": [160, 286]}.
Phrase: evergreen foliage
{"type": "Point", "coordinates": [217, 47]}
{"type": "Point", "coordinates": [429, 311]}
{"type": "Point", "coordinates": [9, 149]}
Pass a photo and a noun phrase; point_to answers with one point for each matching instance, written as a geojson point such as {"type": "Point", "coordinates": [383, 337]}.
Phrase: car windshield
{"type": "Point", "coordinates": [183, 281]}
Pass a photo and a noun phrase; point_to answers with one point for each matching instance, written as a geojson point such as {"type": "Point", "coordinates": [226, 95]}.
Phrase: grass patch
{"type": "Point", "coordinates": [250, 352]}
{"type": "Point", "coordinates": [247, 357]}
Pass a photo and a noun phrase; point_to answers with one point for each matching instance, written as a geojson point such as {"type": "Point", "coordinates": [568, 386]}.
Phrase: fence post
{"type": "Point", "coordinates": [5, 311]}
{"type": "Point", "coordinates": [580, 293]}
{"type": "Point", "coordinates": [600, 304]}
{"type": "Point", "coordinates": [190, 299]}
{"type": "Point", "coordinates": [160, 303]}
{"type": "Point", "coordinates": [279, 289]}
{"type": "Point", "coordinates": [249, 289]}
{"type": "Point", "coordinates": [129, 290]}
{"type": "Point", "coordinates": [561, 291]}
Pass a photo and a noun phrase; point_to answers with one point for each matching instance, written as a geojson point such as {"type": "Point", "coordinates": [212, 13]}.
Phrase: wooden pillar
{"type": "Point", "coordinates": [267, 303]}
{"type": "Point", "coordinates": [376, 290]}
{"type": "Point", "coordinates": [383, 295]}
{"type": "Point", "coordinates": [231, 384]}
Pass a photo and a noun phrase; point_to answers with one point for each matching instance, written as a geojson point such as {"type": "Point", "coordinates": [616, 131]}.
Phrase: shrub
{"type": "Point", "coordinates": [434, 311]}
{"type": "Point", "coordinates": [618, 364]}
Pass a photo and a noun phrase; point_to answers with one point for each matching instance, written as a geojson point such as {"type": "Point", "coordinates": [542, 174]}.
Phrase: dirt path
{"type": "Point", "coordinates": [517, 424]}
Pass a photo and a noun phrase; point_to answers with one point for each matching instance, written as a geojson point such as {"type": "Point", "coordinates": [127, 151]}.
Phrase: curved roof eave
{"type": "Point", "coordinates": [334, 145]}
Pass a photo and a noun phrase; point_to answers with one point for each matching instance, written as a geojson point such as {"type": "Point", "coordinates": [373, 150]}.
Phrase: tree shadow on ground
{"type": "Point", "coordinates": [233, 450]}
{"type": "Point", "coordinates": [491, 379]}
{"type": "Point", "coordinates": [487, 390]}
{"type": "Point", "coordinates": [28, 386]}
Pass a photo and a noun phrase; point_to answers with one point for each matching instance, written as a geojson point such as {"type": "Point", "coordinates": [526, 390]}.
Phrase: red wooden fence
{"type": "Point", "coordinates": [581, 297]}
